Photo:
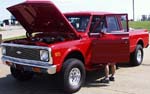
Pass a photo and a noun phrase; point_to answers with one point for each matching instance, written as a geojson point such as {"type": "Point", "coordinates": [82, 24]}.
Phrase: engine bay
{"type": "Point", "coordinates": [42, 37]}
{"type": "Point", "coordinates": [48, 39]}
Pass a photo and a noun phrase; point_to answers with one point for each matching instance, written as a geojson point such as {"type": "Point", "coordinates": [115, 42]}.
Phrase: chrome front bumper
{"type": "Point", "coordinates": [29, 64]}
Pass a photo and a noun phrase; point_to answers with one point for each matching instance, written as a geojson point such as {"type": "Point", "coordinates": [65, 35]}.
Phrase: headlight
{"type": "Point", "coordinates": [3, 50]}
{"type": "Point", "coordinates": [44, 55]}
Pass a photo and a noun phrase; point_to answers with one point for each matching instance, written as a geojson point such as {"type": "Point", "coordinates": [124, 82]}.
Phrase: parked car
{"type": "Point", "coordinates": [1, 23]}
{"type": "Point", "coordinates": [70, 44]}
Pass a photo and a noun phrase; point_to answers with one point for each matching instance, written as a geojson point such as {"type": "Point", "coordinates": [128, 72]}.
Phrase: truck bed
{"type": "Point", "coordinates": [138, 36]}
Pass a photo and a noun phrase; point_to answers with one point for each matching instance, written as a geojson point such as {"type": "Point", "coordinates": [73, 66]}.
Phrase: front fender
{"type": "Point", "coordinates": [67, 52]}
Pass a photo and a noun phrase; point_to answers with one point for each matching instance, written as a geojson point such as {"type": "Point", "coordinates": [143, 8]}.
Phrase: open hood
{"type": "Point", "coordinates": [41, 16]}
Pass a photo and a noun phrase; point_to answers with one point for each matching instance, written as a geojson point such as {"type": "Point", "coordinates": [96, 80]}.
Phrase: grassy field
{"type": "Point", "coordinates": [140, 24]}
{"type": "Point", "coordinates": [18, 37]}
{"type": "Point", "coordinates": [1, 29]}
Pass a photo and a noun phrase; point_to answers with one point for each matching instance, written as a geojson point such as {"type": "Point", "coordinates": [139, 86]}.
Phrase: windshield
{"type": "Point", "coordinates": [79, 22]}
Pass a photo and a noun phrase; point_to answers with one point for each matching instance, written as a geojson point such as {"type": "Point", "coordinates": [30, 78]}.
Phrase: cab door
{"type": "Point", "coordinates": [110, 46]}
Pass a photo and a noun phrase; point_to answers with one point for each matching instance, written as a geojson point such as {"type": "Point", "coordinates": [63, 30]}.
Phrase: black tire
{"type": "Point", "coordinates": [136, 57]}
{"type": "Point", "coordinates": [73, 67]}
{"type": "Point", "coordinates": [21, 75]}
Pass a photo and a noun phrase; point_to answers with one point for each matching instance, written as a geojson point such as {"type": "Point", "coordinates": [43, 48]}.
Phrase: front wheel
{"type": "Point", "coordinates": [73, 73]}
{"type": "Point", "coordinates": [136, 57]}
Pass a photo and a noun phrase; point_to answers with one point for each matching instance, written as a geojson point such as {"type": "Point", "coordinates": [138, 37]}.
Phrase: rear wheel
{"type": "Point", "coordinates": [73, 74]}
{"type": "Point", "coordinates": [21, 75]}
{"type": "Point", "coordinates": [136, 57]}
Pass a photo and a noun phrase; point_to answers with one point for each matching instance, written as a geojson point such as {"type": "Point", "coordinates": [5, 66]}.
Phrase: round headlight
{"type": "Point", "coordinates": [3, 50]}
{"type": "Point", "coordinates": [44, 55]}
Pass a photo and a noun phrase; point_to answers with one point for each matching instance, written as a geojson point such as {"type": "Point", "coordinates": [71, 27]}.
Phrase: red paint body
{"type": "Point", "coordinates": [96, 49]}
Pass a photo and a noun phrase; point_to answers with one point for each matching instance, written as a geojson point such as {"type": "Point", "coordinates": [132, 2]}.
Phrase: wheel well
{"type": "Point", "coordinates": [75, 54]}
{"type": "Point", "coordinates": [140, 42]}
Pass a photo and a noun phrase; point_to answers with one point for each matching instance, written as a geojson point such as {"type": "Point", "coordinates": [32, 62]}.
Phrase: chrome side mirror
{"type": "Point", "coordinates": [104, 30]}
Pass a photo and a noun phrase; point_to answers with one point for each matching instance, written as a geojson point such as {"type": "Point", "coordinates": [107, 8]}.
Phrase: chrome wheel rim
{"type": "Point", "coordinates": [139, 56]}
{"type": "Point", "coordinates": [74, 76]}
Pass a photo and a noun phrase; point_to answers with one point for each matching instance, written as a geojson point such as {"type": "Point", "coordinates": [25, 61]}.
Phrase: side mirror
{"type": "Point", "coordinates": [104, 31]}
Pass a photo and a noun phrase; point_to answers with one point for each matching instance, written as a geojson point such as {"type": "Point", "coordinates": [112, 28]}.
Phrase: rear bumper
{"type": "Point", "coordinates": [29, 65]}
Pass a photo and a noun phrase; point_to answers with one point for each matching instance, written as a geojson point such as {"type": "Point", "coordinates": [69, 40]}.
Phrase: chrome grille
{"type": "Point", "coordinates": [23, 53]}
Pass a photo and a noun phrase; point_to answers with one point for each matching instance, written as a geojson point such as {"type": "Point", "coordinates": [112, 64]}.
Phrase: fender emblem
{"type": "Point", "coordinates": [18, 52]}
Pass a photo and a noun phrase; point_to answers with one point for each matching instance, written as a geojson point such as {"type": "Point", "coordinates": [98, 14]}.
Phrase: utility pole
{"type": "Point", "coordinates": [133, 10]}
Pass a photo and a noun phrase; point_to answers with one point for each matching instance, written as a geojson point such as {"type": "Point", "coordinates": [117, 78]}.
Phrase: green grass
{"type": "Point", "coordinates": [140, 24]}
{"type": "Point", "coordinates": [1, 29]}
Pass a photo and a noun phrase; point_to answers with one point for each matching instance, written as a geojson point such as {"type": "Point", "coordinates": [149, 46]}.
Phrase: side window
{"type": "Point", "coordinates": [112, 24]}
{"type": "Point", "coordinates": [124, 22]}
{"type": "Point", "coordinates": [95, 21]}
{"type": "Point", "coordinates": [97, 24]}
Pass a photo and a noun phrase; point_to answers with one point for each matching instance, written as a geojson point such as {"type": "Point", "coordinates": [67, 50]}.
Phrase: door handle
{"type": "Point", "coordinates": [125, 38]}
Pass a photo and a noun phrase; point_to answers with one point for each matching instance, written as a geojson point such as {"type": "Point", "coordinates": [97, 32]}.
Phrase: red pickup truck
{"type": "Point", "coordinates": [70, 44]}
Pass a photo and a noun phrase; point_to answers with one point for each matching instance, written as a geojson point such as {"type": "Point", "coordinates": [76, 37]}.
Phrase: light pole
{"type": "Point", "coordinates": [133, 10]}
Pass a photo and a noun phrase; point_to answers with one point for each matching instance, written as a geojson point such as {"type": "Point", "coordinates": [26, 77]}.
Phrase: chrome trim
{"type": "Point", "coordinates": [125, 38]}
{"type": "Point", "coordinates": [139, 56]}
{"type": "Point", "coordinates": [75, 76]}
{"type": "Point", "coordinates": [24, 46]}
{"type": "Point", "coordinates": [113, 32]}
{"type": "Point", "coordinates": [50, 56]}
{"type": "Point", "coordinates": [51, 69]}
{"type": "Point", "coordinates": [94, 34]}
{"type": "Point", "coordinates": [32, 47]}
{"type": "Point", "coordinates": [118, 32]}
{"type": "Point", "coordinates": [25, 61]}
{"type": "Point", "coordinates": [2, 50]}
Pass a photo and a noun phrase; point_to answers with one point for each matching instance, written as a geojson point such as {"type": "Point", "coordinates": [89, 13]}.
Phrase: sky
{"type": "Point", "coordinates": [116, 6]}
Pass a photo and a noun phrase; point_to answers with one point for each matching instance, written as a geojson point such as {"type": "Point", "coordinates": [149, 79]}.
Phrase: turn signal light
{"type": "Point", "coordinates": [36, 69]}
{"type": "Point", "coordinates": [8, 63]}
